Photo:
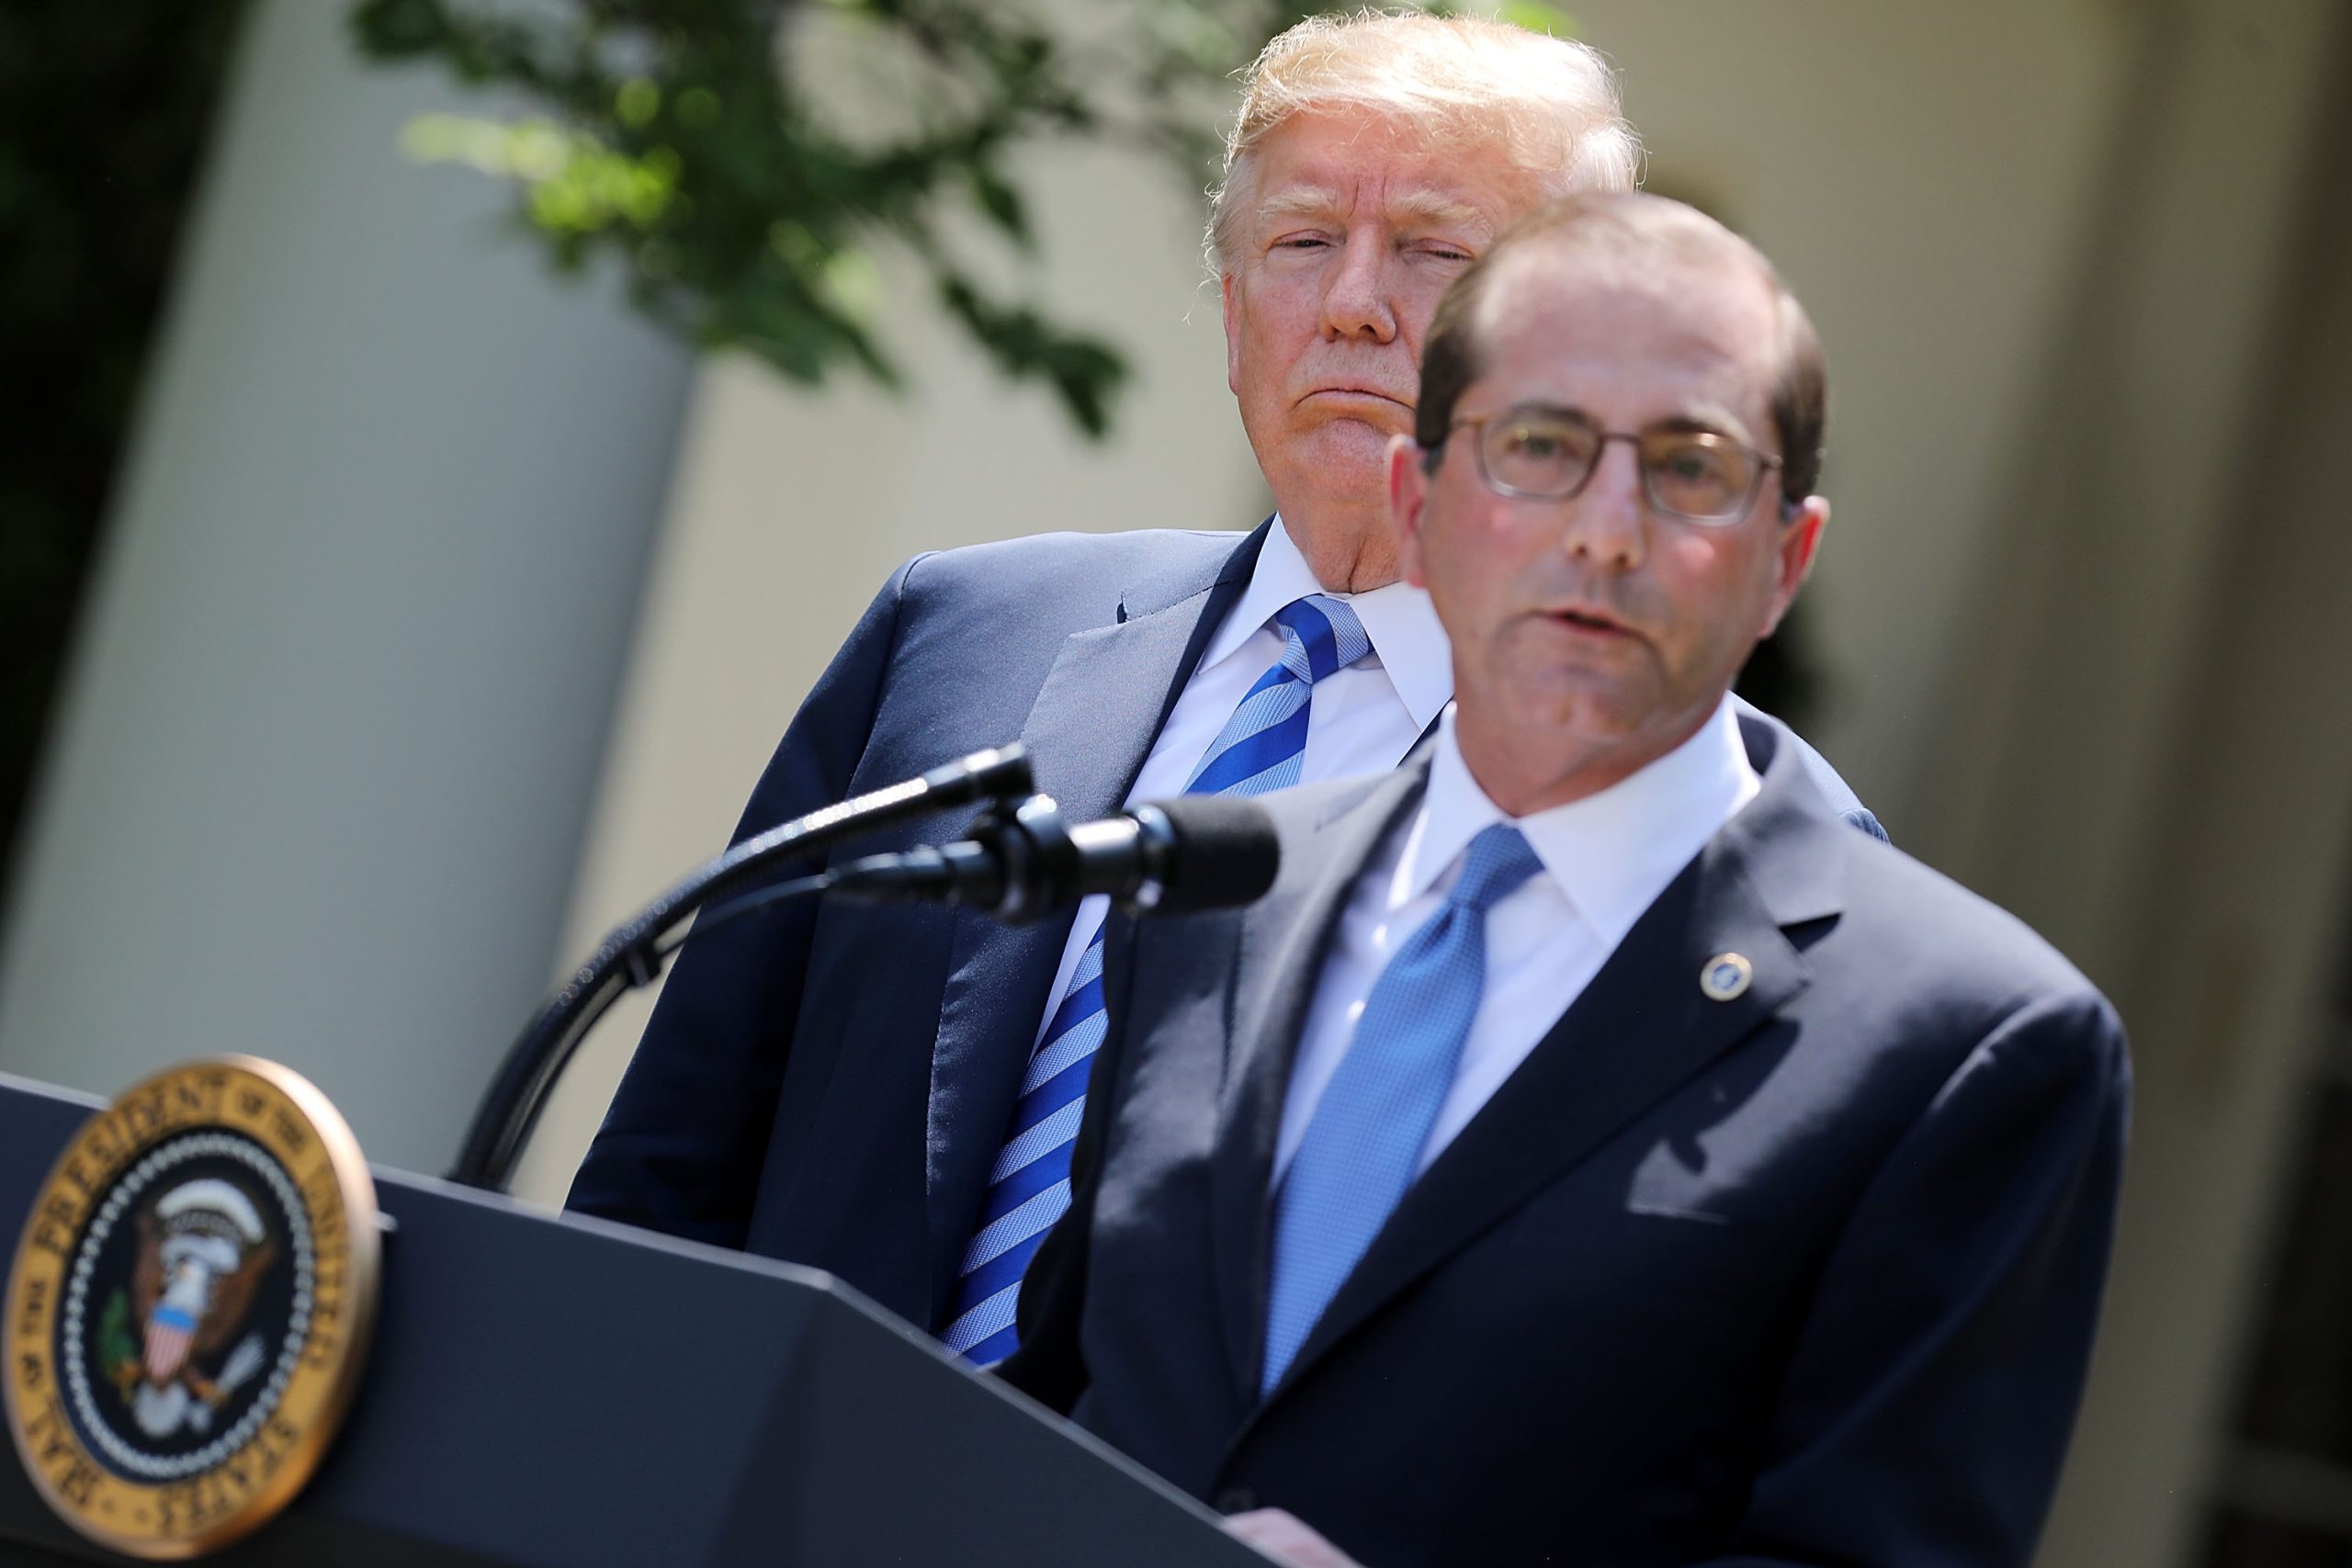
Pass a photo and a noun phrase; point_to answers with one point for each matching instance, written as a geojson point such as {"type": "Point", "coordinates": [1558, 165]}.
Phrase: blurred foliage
{"type": "Point", "coordinates": [678, 135]}
{"type": "Point", "coordinates": [709, 145]}
{"type": "Point", "coordinates": [103, 113]}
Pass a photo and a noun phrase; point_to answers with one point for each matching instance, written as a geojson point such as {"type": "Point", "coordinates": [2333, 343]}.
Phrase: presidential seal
{"type": "Point", "coordinates": [189, 1308]}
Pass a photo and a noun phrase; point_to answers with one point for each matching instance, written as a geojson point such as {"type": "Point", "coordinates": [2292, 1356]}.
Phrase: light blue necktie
{"type": "Point", "coordinates": [1366, 1135]}
{"type": "Point", "coordinates": [1261, 747]}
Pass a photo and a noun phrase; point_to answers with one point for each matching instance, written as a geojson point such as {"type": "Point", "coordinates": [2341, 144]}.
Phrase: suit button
{"type": "Point", "coordinates": [1235, 1500]}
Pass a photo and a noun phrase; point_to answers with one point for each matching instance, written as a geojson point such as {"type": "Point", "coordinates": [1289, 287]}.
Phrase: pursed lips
{"type": "Point", "coordinates": [1352, 391]}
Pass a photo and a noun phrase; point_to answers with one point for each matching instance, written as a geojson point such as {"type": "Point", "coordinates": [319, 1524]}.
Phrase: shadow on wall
{"type": "Point", "coordinates": [104, 116]}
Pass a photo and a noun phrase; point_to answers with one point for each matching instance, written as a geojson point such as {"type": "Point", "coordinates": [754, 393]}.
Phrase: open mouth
{"type": "Point", "coordinates": [1592, 622]}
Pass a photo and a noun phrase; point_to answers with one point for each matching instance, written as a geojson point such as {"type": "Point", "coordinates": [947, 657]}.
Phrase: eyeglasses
{"type": "Point", "coordinates": [1543, 453]}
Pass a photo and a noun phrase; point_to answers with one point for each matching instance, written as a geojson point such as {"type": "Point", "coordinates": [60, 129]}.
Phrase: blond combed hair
{"type": "Point", "coordinates": [1551, 104]}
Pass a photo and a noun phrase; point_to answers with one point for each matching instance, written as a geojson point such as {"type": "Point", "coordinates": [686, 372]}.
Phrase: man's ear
{"type": "Point", "coordinates": [1408, 494]}
{"type": "Point", "coordinates": [1229, 294]}
{"type": "Point", "coordinates": [1800, 541]}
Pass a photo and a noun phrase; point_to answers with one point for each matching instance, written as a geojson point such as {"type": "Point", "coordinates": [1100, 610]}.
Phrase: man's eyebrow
{"type": "Point", "coordinates": [1544, 410]}
{"type": "Point", "coordinates": [1438, 211]}
{"type": "Point", "coordinates": [1706, 422]}
{"type": "Point", "coordinates": [1431, 209]}
{"type": "Point", "coordinates": [1300, 201]}
{"type": "Point", "coordinates": [1696, 422]}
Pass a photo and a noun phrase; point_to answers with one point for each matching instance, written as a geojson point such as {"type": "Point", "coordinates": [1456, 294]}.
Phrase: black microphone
{"type": "Point", "coordinates": [1199, 852]}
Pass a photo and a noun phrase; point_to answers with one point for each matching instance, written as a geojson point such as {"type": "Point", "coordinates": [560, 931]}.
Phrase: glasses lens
{"type": "Point", "coordinates": [1533, 453]}
{"type": "Point", "coordinates": [1693, 474]}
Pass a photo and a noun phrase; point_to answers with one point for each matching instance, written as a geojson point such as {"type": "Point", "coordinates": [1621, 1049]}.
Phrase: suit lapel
{"type": "Point", "coordinates": [1639, 1030]}
{"type": "Point", "coordinates": [1092, 724]}
{"type": "Point", "coordinates": [1272, 975]}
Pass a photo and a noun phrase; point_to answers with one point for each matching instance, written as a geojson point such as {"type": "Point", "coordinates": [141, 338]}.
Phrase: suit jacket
{"type": "Point", "coordinates": [831, 1083]}
{"type": "Point", "coordinates": [1805, 1276]}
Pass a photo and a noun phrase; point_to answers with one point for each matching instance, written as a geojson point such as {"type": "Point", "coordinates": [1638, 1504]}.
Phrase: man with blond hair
{"type": "Point", "coordinates": [890, 1093]}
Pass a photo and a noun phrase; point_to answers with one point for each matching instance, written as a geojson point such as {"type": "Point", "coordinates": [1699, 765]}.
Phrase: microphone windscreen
{"type": "Point", "coordinates": [1226, 853]}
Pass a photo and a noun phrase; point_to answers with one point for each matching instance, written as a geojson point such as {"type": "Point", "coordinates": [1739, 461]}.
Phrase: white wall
{"type": "Point", "coordinates": [1920, 174]}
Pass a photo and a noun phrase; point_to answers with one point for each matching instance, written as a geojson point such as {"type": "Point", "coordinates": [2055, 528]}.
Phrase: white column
{"type": "Point", "coordinates": [342, 689]}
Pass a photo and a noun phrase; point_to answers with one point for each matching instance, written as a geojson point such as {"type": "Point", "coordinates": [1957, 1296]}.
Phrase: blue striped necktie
{"type": "Point", "coordinates": [1261, 747]}
{"type": "Point", "coordinates": [1366, 1137]}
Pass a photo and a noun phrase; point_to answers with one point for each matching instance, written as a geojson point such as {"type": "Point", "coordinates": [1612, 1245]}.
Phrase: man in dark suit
{"type": "Point", "coordinates": [1593, 1151]}
{"type": "Point", "coordinates": [891, 1093]}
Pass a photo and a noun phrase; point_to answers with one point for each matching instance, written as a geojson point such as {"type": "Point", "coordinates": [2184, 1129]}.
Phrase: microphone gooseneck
{"type": "Point", "coordinates": [631, 956]}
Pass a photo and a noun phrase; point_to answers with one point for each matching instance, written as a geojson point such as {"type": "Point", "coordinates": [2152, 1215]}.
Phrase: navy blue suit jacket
{"type": "Point", "coordinates": [1804, 1277]}
{"type": "Point", "coordinates": [831, 1083]}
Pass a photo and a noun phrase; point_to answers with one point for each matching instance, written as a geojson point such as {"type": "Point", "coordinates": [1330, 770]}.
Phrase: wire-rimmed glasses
{"type": "Point", "coordinates": [1547, 454]}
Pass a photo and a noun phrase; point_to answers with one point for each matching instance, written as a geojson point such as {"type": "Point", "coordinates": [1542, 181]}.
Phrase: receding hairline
{"type": "Point", "coordinates": [1530, 271]}
{"type": "Point", "coordinates": [1639, 230]}
{"type": "Point", "coordinates": [1686, 239]}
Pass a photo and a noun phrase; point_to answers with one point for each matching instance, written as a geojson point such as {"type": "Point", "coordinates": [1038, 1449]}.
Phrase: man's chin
{"type": "Point", "coordinates": [1580, 717]}
{"type": "Point", "coordinates": [1347, 452]}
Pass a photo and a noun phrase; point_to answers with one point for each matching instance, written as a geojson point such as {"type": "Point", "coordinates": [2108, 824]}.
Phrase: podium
{"type": "Point", "coordinates": [561, 1393]}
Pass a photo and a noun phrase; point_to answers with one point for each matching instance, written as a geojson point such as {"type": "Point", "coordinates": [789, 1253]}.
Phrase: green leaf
{"type": "Point", "coordinates": [639, 100]}
{"type": "Point", "coordinates": [1538, 17]}
{"type": "Point", "coordinates": [401, 29]}
{"type": "Point", "coordinates": [1002, 205]}
{"type": "Point", "coordinates": [1084, 371]}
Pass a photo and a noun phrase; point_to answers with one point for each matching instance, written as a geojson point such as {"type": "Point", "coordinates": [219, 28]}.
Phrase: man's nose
{"type": "Point", "coordinates": [1359, 302]}
{"type": "Point", "coordinates": [1607, 520]}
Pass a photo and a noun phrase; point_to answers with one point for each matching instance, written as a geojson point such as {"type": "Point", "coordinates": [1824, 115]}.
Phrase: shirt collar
{"type": "Point", "coordinates": [1612, 853]}
{"type": "Point", "coordinates": [1400, 621]}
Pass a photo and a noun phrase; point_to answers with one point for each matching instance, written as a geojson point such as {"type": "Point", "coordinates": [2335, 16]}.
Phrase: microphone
{"type": "Point", "coordinates": [1199, 852]}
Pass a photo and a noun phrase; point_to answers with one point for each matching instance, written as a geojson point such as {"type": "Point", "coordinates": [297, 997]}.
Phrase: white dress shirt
{"type": "Point", "coordinates": [1606, 859]}
{"type": "Point", "coordinates": [1362, 719]}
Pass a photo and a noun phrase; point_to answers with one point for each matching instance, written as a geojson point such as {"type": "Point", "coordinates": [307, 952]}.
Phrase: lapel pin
{"type": "Point", "coordinates": [1725, 976]}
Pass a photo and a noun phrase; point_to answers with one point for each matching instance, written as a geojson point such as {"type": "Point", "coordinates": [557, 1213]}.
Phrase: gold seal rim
{"type": "Point", "coordinates": [327, 1389]}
